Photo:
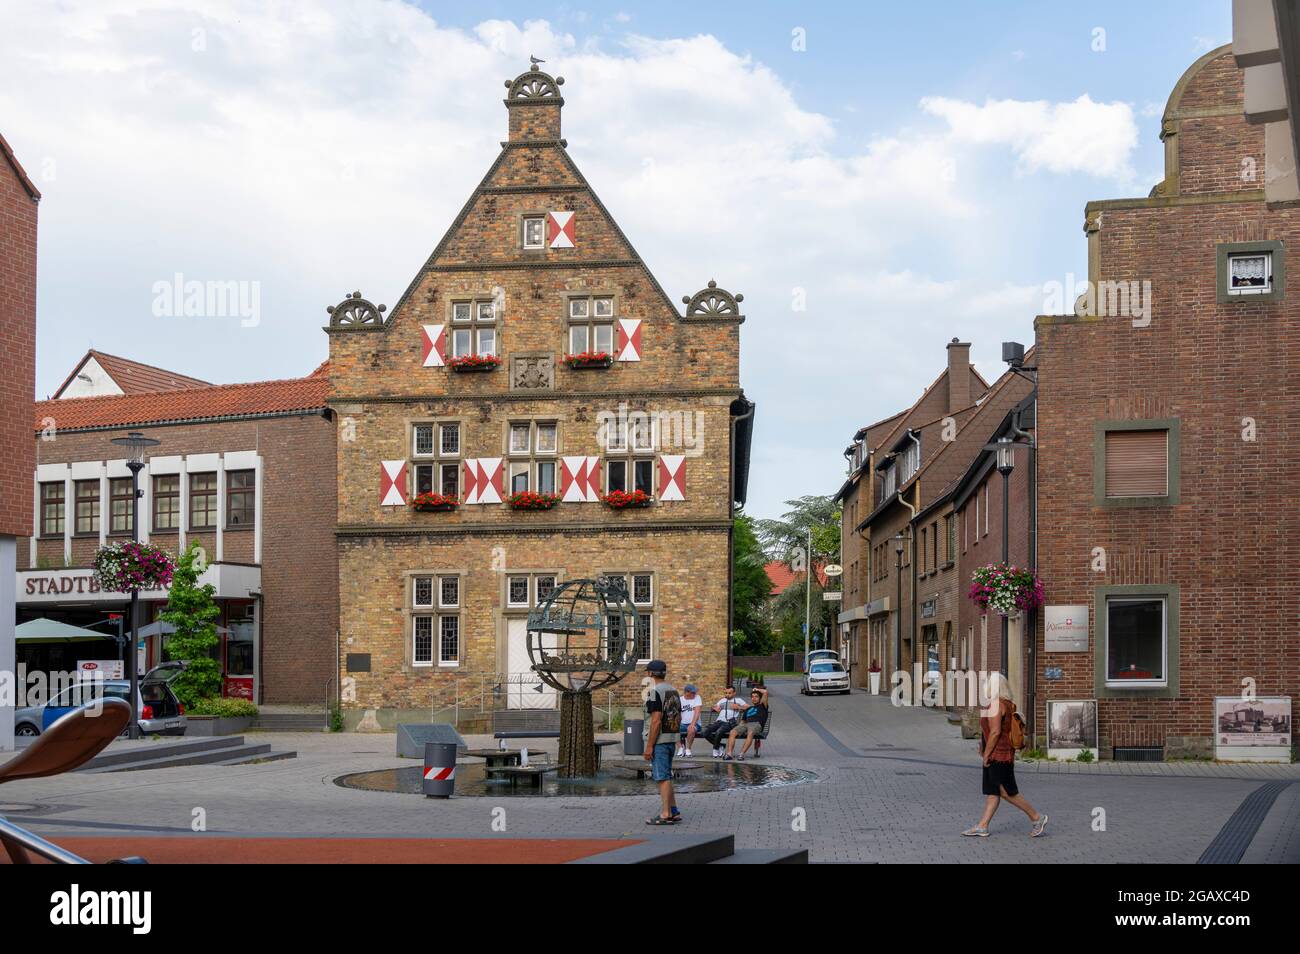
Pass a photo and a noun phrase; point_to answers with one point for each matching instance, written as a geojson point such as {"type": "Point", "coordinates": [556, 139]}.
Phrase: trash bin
{"type": "Point", "coordinates": [439, 769]}
{"type": "Point", "coordinates": [633, 743]}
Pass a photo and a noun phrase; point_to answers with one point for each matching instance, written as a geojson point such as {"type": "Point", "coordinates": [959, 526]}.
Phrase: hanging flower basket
{"type": "Point", "coordinates": [1007, 590]}
{"type": "Point", "coordinates": [589, 359]}
{"type": "Point", "coordinates": [626, 499]}
{"type": "Point", "coordinates": [434, 503]}
{"type": "Point", "coordinates": [474, 362]}
{"type": "Point", "coordinates": [122, 567]}
{"type": "Point", "coordinates": [531, 500]}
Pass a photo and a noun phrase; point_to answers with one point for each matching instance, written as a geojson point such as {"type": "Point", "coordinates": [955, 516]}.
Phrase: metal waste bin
{"type": "Point", "coordinates": [633, 743]}
{"type": "Point", "coordinates": [439, 769]}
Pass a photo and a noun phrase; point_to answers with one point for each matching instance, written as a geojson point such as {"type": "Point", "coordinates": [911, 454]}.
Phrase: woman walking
{"type": "Point", "coordinates": [1000, 761]}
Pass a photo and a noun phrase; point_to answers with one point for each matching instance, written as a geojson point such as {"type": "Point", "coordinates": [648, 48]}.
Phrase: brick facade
{"type": "Point", "coordinates": [384, 384]}
{"type": "Point", "coordinates": [18, 199]}
{"type": "Point", "coordinates": [1224, 549]}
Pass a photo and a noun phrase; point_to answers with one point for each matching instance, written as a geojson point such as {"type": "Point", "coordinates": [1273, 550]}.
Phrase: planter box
{"type": "Point", "coordinates": [216, 725]}
{"type": "Point", "coordinates": [471, 368]}
{"type": "Point", "coordinates": [436, 508]}
{"type": "Point", "coordinates": [590, 365]}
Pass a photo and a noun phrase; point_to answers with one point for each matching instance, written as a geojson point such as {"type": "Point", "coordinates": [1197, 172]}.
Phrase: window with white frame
{"type": "Point", "coordinates": [435, 620]}
{"type": "Point", "coordinates": [533, 448]}
{"type": "Point", "coordinates": [909, 461]}
{"type": "Point", "coordinates": [887, 477]}
{"type": "Point", "coordinates": [517, 588]}
{"type": "Point", "coordinates": [534, 231]}
{"type": "Point", "coordinates": [591, 324]}
{"type": "Point", "coordinates": [435, 452]}
{"type": "Point", "coordinates": [1137, 640]}
{"type": "Point", "coordinates": [473, 328]}
{"type": "Point", "coordinates": [1250, 273]}
{"type": "Point", "coordinates": [629, 449]}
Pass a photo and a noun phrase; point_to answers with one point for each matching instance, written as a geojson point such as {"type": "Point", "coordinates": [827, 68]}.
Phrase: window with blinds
{"type": "Point", "coordinates": [1137, 463]}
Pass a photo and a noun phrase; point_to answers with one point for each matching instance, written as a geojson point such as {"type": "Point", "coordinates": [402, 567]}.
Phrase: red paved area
{"type": "Point", "coordinates": [219, 850]}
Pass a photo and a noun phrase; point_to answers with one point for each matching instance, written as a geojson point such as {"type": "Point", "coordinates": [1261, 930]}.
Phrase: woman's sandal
{"type": "Point", "coordinates": [660, 820]}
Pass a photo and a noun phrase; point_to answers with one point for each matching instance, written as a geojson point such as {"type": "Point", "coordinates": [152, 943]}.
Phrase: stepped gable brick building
{"type": "Point", "coordinates": [244, 470]}
{"type": "Point", "coordinates": [1169, 431]}
{"type": "Point", "coordinates": [18, 199]}
{"type": "Point", "coordinates": [534, 352]}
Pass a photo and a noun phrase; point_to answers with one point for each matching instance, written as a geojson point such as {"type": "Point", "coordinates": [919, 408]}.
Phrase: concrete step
{"type": "Point", "coordinates": [258, 757]}
{"type": "Point", "coordinates": [291, 722]}
{"type": "Point", "coordinates": [765, 856]}
{"type": "Point", "coordinates": [204, 757]}
{"type": "Point", "coordinates": [127, 753]}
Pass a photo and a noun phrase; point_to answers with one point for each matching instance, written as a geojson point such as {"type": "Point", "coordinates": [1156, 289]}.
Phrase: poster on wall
{"type": "Point", "coordinates": [1065, 629]}
{"type": "Point", "coordinates": [1252, 730]}
{"type": "Point", "coordinates": [1071, 727]}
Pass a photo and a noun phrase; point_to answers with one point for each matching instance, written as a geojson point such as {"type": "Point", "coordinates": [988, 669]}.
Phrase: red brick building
{"type": "Point", "coordinates": [18, 199]}
{"type": "Point", "coordinates": [244, 470]}
{"type": "Point", "coordinates": [1169, 469]}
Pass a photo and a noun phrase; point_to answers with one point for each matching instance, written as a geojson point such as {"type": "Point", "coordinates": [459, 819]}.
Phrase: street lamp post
{"type": "Point", "coordinates": [1006, 461]}
{"type": "Point", "coordinates": [136, 444]}
{"type": "Point", "coordinates": [898, 611]}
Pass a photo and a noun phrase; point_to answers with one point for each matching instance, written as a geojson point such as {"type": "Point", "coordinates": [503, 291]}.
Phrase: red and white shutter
{"type": "Point", "coordinates": [491, 480]}
{"type": "Point", "coordinates": [672, 477]}
{"type": "Point", "coordinates": [469, 480]}
{"type": "Point", "coordinates": [593, 480]}
{"type": "Point", "coordinates": [559, 230]}
{"type": "Point", "coordinates": [573, 479]}
{"type": "Point", "coordinates": [435, 345]}
{"type": "Point", "coordinates": [629, 339]}
{"type": "Point", "coordinates": [392, 483]}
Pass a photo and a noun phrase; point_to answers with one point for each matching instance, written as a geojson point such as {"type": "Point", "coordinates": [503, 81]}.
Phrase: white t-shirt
{"type": "Point", "coordinates": [691, 710]}
{"type": "Point", "coordinates": [731, 709]}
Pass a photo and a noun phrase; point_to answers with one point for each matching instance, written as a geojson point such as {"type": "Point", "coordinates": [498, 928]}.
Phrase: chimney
{"type": "Point", "coordinates": [958, 375]}
{"type": "Point", "coordinates": [533, 101]}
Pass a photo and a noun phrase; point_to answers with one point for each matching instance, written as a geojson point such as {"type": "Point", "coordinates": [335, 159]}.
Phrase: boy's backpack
{"type": "Point", "coordinates": [670, 720]}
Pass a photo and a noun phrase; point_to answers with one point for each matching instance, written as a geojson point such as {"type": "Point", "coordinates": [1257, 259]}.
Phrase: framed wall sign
{"type": "Point", "coordinates": [1065, 629]}
{"type": "Point", "coordinates": [1252, 730]}
{"type": "Point", "coordinates": [1071, 727]}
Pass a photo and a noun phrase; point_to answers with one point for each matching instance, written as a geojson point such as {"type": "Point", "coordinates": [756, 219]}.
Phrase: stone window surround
{"type": "Point", "coordinates": [1100, 428]}
{"type": "Point", "coordinates": [522, 609]}
{"type": "Point", "coordinates": [474, 299]}
{"type": "Point", "coordinates": [437, 459]}
{"type": "Point", "coordinates": [410, 611]}
{"type": "Point", "coordinates": [519, 230]}
{"type": "Point", "coordinates": [1100, 594]}
{"type": "Point", "coordinates": [1278, 266]}
{"type": "Point", "coordinates": [533, 455]}
{"type": "Point", "coordinates": [643, 609]}
{"type": "Point", "coordinates": [590, 295]}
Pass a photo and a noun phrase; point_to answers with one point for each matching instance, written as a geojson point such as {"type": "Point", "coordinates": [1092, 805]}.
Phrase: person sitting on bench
{"type": "Point", "coordinates": [751, 723]}
{"type": "Point", "coordinates": [728, 709]}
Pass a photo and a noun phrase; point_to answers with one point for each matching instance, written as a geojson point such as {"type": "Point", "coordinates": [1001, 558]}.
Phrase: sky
{"type": "Point", "coordinates": [874, 183]}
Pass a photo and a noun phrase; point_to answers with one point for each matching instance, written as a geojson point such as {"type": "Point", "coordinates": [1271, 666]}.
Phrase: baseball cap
{"type": "Point", "coordinates": [690, 687]}
{"type": "Point", "coordinates": [657, 666]}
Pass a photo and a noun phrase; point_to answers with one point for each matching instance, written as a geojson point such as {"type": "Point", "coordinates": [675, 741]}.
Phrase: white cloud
{"type": "Point", "coordinates": [319, 149]}
{"type": "Point", "coordinates": [1079, 136]}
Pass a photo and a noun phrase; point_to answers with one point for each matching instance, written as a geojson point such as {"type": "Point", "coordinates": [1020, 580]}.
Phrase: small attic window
{"type": "Point", "coordinates": [534, 231]}
{"type": "Point", "coordinates": [1250, 274]}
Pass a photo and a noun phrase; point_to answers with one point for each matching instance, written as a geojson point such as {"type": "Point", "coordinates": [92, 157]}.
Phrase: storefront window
{"type": "Point", "coordinates": [239, 642]}
{"type": "Point", "coordinates": [1135, 641]}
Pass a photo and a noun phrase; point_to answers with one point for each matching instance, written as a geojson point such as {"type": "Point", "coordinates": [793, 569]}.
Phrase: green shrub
{"type": "Point", "coordinates": [336, 719]}
{"type": "Point", "coordinates": [1084, 756]}
{"type": "Point", "coordinates": [224, 708]}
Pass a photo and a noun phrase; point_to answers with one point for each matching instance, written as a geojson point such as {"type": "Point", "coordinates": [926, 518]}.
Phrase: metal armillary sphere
{"type": "Point", "coordinates": [582, 637]}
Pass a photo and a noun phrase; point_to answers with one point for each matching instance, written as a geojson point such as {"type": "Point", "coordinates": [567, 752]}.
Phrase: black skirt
{"type": "Point", "coordinates": [1000, 779]}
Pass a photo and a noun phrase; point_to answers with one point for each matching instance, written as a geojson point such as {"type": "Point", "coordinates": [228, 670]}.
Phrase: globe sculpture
{"type": "Point", "coordinates": [581, 638]}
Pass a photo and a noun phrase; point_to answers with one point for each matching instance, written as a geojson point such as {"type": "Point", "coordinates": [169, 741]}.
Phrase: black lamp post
{"type": "Point", "coordinates": [1006, 461]}
{"type": "Point", "coordinates": [136, 445]}
{"type": "Point", "coordinates": [898, 613]}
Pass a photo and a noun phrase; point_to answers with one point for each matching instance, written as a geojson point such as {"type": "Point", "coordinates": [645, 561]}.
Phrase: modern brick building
{"type": "Point", "coordinates": [18, 199]}
{"type": "Point", "coordinates": [472, 388]}
{"type": "Point", "coordinates": [1169, 468]}
{"type": "Point", "coordinates": [245, 470]}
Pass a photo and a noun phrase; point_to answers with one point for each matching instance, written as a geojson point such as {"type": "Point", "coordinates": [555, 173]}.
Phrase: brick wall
{"type": "Point", "coordinates": [1232, 543]}
{"type": "Point", "coordinates": [17, 348]}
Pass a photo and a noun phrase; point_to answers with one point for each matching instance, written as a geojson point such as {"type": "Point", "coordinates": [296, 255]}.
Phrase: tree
{"type": "Point", "coordinates": [750, 591]}
{"type": "Point", "coordinates": [785, 539]}
{"type": "Point", "coordinates": [193, 613]}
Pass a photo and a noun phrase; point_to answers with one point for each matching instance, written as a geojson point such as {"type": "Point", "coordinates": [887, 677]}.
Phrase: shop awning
{"type": "Point", "coordinates": [52, 631]}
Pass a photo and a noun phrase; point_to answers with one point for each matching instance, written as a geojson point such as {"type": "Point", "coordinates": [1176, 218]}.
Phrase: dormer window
{"type": "Point", "coordinates": [888, 477]}
{"type": "Point", "coordinates": [534, 231]}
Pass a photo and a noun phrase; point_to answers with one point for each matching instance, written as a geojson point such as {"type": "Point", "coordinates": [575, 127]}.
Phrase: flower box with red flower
{"type": "Point", "coordinates": [474, 362]}
{"type": "Point", "coordinates": [626, 499]}
{"type": "Point", "coordinates": [434, 503]}
{"type": "Point", "coordinates": [585, 360]}
{"type": "Point", "coordinates": [531, 500]}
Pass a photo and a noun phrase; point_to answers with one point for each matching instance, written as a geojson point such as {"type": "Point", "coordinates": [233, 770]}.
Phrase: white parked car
{"type": "Point", "coordinates": [825, 675]}
{"type": "Point", "coordinates": [817, 654]}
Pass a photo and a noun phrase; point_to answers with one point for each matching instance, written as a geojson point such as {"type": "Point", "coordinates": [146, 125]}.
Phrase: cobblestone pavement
{"type": "Point", "coordinates": [893, 785]}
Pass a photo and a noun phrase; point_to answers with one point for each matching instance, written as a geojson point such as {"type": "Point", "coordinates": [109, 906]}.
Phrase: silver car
{"type": "Point", "coordinates": [161, 713]}
{"type": "Point", "coordinates": [825, 675]}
